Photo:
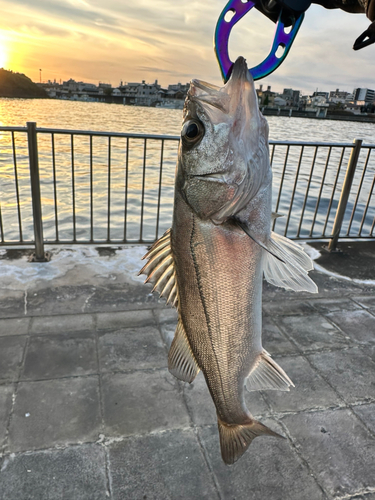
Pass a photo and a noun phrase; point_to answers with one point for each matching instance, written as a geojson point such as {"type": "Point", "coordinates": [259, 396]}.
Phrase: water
{"type": "Point", "coordinates": [117, 118]}
{"type": "Point", "coordinates": [136, 119]}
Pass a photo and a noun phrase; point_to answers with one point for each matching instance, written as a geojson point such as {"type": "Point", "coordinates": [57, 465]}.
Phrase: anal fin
{"type": "Point", "coordinates": [266, 375]}
{"type": "Point", "coordinates": [181, 361]}
{"type": "Point", "coordinates": [235, 439]}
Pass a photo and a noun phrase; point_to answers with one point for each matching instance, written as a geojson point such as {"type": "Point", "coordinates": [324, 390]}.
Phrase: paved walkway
{"type": "Point", "coordinates": [88, 409]}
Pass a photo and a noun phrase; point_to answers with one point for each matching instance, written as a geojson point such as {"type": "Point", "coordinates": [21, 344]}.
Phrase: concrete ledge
{"type": "Point", "coordinates": [88, 409]}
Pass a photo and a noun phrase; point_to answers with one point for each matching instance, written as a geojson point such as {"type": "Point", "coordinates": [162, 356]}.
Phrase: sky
{"type": "Point", "coordinates": [133, 40]}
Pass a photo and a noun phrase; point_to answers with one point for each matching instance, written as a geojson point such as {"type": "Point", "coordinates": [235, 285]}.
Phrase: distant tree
{"type": "Point", "coordinates": [18, 85]}
{"type": "Point", "coordinates": [266, 100]}
{"type": "Point", "coordinates": [108, 91]}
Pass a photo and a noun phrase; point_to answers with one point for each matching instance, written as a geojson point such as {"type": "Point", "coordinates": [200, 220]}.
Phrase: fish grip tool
{"type": "Point", "coordinates": [285, 14]}
{"type": "Point", "coordinates": [367, 38]}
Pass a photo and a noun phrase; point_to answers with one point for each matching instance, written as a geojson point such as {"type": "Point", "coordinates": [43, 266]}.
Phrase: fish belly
{"type": "Point", "coordinates": [219, 276]}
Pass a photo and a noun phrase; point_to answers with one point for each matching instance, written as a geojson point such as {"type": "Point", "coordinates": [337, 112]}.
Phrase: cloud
{"type": "Point", "coordinates": [136, 40]}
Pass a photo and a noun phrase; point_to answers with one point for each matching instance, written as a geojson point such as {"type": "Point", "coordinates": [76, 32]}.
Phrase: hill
{"type": "Point", "coordinates": [18, 85]}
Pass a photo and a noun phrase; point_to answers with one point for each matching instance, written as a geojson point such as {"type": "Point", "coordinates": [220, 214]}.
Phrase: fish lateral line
{"type": "Point", "coordinates": [251, 236]}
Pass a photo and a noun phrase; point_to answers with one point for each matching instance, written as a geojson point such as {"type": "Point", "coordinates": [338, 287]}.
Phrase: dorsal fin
{"type": "Point", "coordinates": [160, 269]}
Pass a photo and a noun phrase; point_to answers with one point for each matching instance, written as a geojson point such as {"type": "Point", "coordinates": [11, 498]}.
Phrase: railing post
{"type": "Point", "coordinates": [39, 255]}
{"type": "Point", "coordinates": [344, 196]}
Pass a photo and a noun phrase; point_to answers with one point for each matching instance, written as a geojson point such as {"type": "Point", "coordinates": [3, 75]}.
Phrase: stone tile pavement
{"type": "Point", "coordinates": [88, 409]}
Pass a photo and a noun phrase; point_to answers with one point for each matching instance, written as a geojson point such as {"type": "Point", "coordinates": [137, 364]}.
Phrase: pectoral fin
{"type": "Point", "coordinates": [181, 361]}
{"type": "Point", "coordinates": [160, 269]}
{"type": "Point", "coordinates": [250, 234]}
{"type": "Point", "coordinates": [287, 265]}
{"type": "Point", "coordinates": [267, 374]}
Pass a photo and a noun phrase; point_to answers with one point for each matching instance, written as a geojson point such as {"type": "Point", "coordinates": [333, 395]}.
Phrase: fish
{"type": "Point", "coordinates": [210, 263]}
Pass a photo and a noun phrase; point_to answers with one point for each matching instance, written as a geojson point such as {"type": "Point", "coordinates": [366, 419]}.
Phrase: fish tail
{"type": "Point", "coordinates": [235, 439]}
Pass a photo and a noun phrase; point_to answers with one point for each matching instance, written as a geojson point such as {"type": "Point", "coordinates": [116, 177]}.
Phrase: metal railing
{"type": "Point", "coordinates": [74, 186]}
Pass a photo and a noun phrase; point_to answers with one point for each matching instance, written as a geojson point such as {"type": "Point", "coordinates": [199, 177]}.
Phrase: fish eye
{"type": "Point", "coordinates": [192, 131]}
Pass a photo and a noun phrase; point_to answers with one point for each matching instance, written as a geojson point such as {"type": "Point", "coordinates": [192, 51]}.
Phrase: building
{"type": "Point", "coordinates": [317, 93]}
{"type": "Point", "coordinates": [265, 97]}
{"type": "Point", "coordinates": [178, 90]}
{"type": "Point", "coordinates": [292, 97]}
{"type": "Point", "coordinates": [338, 99]}
{"type": "Point", "coordinates": [339, 95]}
{"type": "Point", "coordinates": [73, 86]}
{"type": "Point", "coordinates": [141, 94]}
{"type": "Point", "coordinates": [354, 108]}
{"type": "Point", "coordinates": [279, 102]}
{"type": "Point", "coordinates": [105, 88]}
{"type": "Point", "coordinates": [366, 95]}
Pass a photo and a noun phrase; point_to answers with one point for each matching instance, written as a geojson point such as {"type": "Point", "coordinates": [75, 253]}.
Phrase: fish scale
{"type": "Point", "coordinates": [227, 314]}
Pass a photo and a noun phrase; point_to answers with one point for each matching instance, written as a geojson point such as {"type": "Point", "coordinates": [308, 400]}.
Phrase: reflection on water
{"type": "Point", "coordinates": [102, 195]}
{"type": "Point", "coordinates": [137, 119]}
{"type": "Point", "coordinates": [90, 116]}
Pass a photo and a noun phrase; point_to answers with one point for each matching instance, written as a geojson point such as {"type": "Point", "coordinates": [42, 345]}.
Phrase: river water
{"type": "Point", "coordinates": [144, 120]}
{"type": "Point", "coordinates": [117, 118]}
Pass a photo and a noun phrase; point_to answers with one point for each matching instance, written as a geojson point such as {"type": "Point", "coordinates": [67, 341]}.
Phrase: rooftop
{"type": "Point", "coordinates": [88, 409]}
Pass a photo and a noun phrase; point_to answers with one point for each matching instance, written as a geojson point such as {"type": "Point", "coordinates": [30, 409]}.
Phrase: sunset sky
{"type": "Point", "coordinates": [134, 40]}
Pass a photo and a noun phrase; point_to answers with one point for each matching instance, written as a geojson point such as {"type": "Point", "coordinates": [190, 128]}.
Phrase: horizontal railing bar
{"type": "Point", "coordinates": [170, 137]}
{"type": "Point", "coordinates": [320, 144]}
{"type": "Point", "coordinates": [151, 241]}
{"type": "Point", "coordinates": [107, 134]}
{"type": "Point", "coordinates": [13, 129]}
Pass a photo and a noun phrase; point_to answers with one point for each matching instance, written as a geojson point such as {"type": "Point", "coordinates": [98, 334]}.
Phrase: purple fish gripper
{"type": "Point", "coordinates": [238, 8]}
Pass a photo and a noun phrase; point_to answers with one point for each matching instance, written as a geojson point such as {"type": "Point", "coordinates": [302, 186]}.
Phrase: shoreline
{"type": "Point", "coordinates": [281, 112]}
{"type": "Point", "coordinates": [294, 113]}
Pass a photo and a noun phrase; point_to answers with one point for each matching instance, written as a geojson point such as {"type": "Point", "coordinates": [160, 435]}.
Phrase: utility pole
{"type": "Point", "coordinates": [40, 76]}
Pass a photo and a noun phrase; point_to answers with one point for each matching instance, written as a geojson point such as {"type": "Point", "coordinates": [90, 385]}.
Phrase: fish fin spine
{"type": "Point", "coordinates": [267, 375]}
{"type": "Point", "coordinates": [235, 439]}
{"type": "Point", "coordinates": [160, 269]}
{"type": "Point", "coordinates": [287, 265]}
{"type": "Point", "coordinates": [181, 361]}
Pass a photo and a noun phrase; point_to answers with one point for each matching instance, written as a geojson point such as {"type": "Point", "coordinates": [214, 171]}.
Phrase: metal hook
{"type": "Point", "coordinates": [237, 9]}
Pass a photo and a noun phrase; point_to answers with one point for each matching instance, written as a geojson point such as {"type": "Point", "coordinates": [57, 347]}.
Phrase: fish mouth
{"type": "Point", "coordinates": [214, 176]}
{"type": "Point", "coordinates": [240, 70]}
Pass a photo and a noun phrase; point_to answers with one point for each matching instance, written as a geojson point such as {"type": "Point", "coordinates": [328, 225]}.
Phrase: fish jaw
{"type": "Point", "coordinates": [228, 162]}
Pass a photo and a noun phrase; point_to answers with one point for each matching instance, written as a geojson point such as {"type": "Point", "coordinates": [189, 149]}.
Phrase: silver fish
{"type": "Point", "coordinates": [211, 262]}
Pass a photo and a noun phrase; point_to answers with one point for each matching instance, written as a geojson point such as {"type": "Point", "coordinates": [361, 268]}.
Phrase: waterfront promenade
{"type": "Point", "coordinates": [88, 409]}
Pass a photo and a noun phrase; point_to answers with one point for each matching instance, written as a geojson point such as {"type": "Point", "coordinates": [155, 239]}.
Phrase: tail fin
{"type": "Point", "coordinates": [235, 439]}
